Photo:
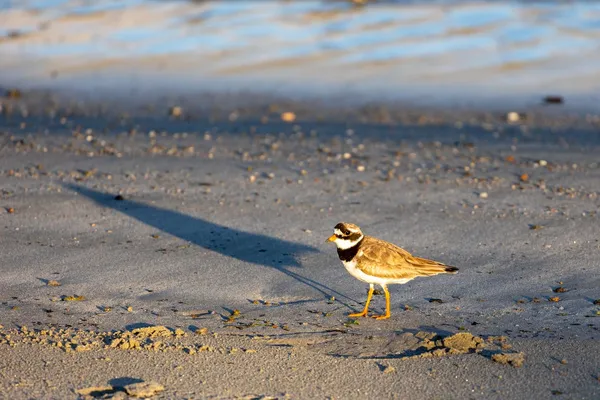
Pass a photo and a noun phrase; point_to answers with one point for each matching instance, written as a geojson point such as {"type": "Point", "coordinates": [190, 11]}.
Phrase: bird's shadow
{"type": "Point", "coordinates": [249, 247]}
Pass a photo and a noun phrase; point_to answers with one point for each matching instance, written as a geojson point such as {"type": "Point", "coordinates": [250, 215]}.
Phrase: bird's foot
{"type": "Point", "coordinates": [360, 314]}
{"type": "Point", "coordinates": [379, 317]}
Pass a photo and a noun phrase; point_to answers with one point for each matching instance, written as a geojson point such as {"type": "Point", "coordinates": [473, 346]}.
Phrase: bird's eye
{"type": "Point", "coordinates": [346, 232]}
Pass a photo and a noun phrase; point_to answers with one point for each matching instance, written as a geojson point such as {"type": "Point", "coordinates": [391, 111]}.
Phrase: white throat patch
{"type": "Point", "coordinates": [344, 244]}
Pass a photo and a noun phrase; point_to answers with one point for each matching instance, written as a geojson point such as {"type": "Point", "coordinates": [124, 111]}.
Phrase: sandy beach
{"type": "Point", "coordinates": [187, 249]}
{"type": "Point", "coordinates": [170, 171]}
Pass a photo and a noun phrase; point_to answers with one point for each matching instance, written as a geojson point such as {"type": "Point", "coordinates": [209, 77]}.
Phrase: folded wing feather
{"type": "Point", "coordinates": [383, 259]}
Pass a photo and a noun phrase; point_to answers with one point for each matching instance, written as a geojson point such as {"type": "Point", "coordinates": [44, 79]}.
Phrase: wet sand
{"type": "Point", "coordinates": [212, 224]}
{"type": "Point", "coordinates": [440, 50]}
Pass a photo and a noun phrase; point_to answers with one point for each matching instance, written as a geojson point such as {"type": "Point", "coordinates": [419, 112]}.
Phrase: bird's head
{"type": "Point", "coordinates": [345, 235]}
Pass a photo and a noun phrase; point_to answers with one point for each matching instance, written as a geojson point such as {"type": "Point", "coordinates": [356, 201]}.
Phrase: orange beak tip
{"type": "Point", "coordinates": [330, 238]}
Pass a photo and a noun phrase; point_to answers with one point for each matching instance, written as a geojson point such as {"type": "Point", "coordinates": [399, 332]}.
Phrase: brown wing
{"type": "Point", "coordinates": [381, 258]}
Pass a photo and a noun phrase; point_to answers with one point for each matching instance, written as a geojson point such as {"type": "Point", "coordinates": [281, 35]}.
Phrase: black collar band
{"type": "Point", "coordinates": [348, 254]}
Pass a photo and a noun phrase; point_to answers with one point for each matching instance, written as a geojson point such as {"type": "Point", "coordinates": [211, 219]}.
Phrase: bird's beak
{"type": "Point", "coordinates": [331, 238]}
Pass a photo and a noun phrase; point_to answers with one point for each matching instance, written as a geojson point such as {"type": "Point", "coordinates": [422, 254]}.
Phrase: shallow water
{"type": "Point", "coordinates": [391, 48]}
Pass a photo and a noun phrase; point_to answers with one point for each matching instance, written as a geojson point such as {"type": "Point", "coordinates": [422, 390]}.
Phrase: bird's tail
{"type": "Point", "coordinates": [450, 269]}
{"type": "Point", "coordinates": [430, 267]}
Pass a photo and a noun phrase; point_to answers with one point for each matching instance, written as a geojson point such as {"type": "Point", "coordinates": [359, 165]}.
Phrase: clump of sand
{"type": "Point", "coordinates": [465, 342]}
{"type": "Point", "coordinates": [422, 344]}
{"type": "Point", "coordinates": [95, 391]}
{"type": "Point", "coordinates": [514, 359]}
{"type": "Point", "coordinates": [151, 338]}
{"type": "Point", "coordinates": [143, 390]}
{"type": "Point", "coordinates": [459, 343]}
{"type": "Point", "coordinates": [140, 338]}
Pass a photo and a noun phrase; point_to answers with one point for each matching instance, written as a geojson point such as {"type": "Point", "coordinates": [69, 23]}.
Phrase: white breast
{"type": "Point", "coordinates": [355, 272]}
{"type": "Point", "coordinates": [361, 276]}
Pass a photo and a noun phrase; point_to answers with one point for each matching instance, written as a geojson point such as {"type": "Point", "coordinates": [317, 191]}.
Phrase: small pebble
{"type": "Point", "coordinates": [389, 370]}
{"type": "Point", "coordinates": [524, 177]}
{"type": "Point", "coordinates": [176, 111]}
{"type": "Point", "coordinates": [513, 116]}
{"type": "Point", "coordinates": [288, 116]}
{"type": "Point", "coordinates": [553, 99]}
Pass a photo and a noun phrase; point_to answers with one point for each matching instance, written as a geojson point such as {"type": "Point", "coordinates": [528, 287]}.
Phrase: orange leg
{"type": "Point", "coordinates": [364, 312]}
{"type": "Point", "coordinates": [387, 305]}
